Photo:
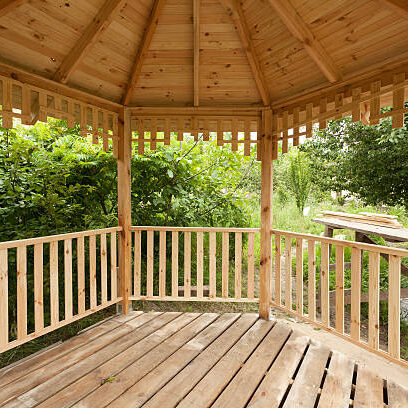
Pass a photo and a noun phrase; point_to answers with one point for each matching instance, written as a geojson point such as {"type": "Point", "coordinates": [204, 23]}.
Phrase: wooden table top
{"type": "Point", "coordinates": [389, 234]}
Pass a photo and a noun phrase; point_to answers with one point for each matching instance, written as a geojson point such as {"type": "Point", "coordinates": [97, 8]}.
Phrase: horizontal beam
{"type": "Point", "coordinates": [196, 110]}
{"type": "Point", "coordinates": [39, 81]}
{"type": "Point", "coordinates": [100, 23]}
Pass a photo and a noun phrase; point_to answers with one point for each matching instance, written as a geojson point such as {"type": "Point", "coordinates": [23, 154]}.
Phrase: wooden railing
{"type": "Point", "coordinates": [184, 263]}
{"type": "Point", "coordinates": [49, 282]}
{"type": "Point", "coordinates": [302, 288]}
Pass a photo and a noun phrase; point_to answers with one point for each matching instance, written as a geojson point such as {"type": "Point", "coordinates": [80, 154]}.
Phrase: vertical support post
{"type": "Point", "coordinates": [266, 215]}
{"type": "Point", "coordinates": [124, 207]}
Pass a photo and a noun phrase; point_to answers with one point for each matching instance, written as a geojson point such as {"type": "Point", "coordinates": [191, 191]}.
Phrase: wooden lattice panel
{"type": "Point", "coordinates": [229, 129]}
{"type": "Point", "coordinates": [31, 104]}
{"type": "Point", "coordinates": [362, 102]}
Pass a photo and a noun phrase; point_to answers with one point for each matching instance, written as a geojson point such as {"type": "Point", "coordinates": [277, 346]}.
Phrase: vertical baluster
{"type": "Point", "coordinates": [21, 292]}
{"type": "Point", "coordinates": [162, 264]}
{"type": "Point", "coordinates": [355, 293]}
{"type": "Point", "coordinates": [356, 111]}
{"type": "Point", "coordinates": [38, 287]}
{"type": "Point", "coordinates": [247, 138]}
{"type": "Point", "coordinates": [68, 278]}
{"type": "Point", "coordinates": [187, 264]}
{"type": "Point", "coordinates": [375, 103]}
{"type": "Point", "coordinates": [340, 289]}
{"type": "Point", "coordinates": [278, 271]}
{"type": "Point", "coordinates": [84, 120]}
{"type": "Point", "coordinates": [4, 329]}
{"type": "Point", "coordinates": [213, 265]}
{"type": "Point", "coordinates": [398, 97]}
{"type": "Point", "coordinates": [153, 134]}
{"type": "Point", "coordinates": [115, 135]}
{"type": "Point", "coordinates": [137, 263]}
{"type": "Point", "coordinates": [95, 126]}
{"type": "Point", "coordinates": [311, 300]}
{"type": "Point", "coordinates": [338, 104]}
{"type": "Point", "coordinates": [296, 126]}
{"type": "Point", "coordinates": [285, 135]}
{"type": "Point", "coordinates": [92, 271]}
{"type": "Point", "coordinates": [81, 274]}
{"type": "Point", "coordinates": [220, 133]}
{"type": "Point", "coordinates": [43, 106]}
{"type": "Point", "coordinates": [206, 131]}
{"type": "Point", "coordinates": [70, 116]}
{"type": "Point", "coordinates": [238, 265]}
{"type": "Point", "coordinates": [299, 276]}
{"type": "Point", "coordinates": [54, 283]}
{"type": "Point", "coordinates": [251, 264]}
{"type": "Point", "coordinates": [114, 274]}
{"type": "Point", "coordinates": [166, 131]}
{"type": "Point", "coordinates": [324, 284]}
{"type": "Point", "coordinates": [140, 131]}
{"type": "Point", "coordinates": [150, 243]}
{"type": "Point", "coordinates": [105, 141]}
{"type": "Point", "coordinates": [234, 135]}
{"type": "Point", "coordinates": [104, 269]}
{"type": "Point", "coordinates": [174, 263]}
{"type": "Point", "coordinates": [288, 272]}
{"type": "Point", "coordinates": [225, 264]}
{"type": "Point", "coordinates": [26, 105]}
{"type": "Point", "coordinates": [373, 300]}
{"type": "Point", "coordinates": [200, 265]}
{"type": "Point", "coordinates": [394, 296]}
{"type": "Point", "coordinates": [309, 122]}
{"type": "Point", "coordinates": [323, 110]}
{"type": "Point", "coordinates": [7, 115]}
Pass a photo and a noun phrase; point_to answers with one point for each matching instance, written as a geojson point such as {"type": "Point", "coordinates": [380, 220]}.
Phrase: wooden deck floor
{"type": "Point", "coordinates": [193, 360]}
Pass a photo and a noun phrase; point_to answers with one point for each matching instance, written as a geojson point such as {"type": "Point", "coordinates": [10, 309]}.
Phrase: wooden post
{"type": "Point", "coordinates": [266, 215]}
{"type": "Point", "coordinates": [124, 207]}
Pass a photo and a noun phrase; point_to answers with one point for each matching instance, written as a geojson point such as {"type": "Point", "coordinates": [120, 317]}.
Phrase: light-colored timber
{"type": "Point", "coordinates": [173, 359]}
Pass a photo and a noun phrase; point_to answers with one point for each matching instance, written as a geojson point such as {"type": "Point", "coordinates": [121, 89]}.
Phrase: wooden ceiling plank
{"type": "Point", "coordinates": [98, 25]}
{"type": "Point", "coordinates": [143, 49]}
{"type": "Point", "coordinates": [6, 6]}
{"type": "Point", "coordinates": [196, 19]}
{"type": "Point", "coordinates": [299, 29]}
{"type": "Point", "coordinates": [234, 10]}
{"type": "Point", "coordinates": [400, 6]}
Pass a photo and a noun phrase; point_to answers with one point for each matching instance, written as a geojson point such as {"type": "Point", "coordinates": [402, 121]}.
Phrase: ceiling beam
{"type": "Point", "coordinates": [234, 10]}
{"type": "Point", "coordinates": [299, 29]}
{"type": "Point", "coordinates": [196, 48]}
{"type": "Point", "coordinates": [9, 5]}
{"type": "Point", "coordinates": [143, 49]}
{"type": "Point", "coordinates": [100, 23]}
{"type": "Point", "coordinates": [399, 6]}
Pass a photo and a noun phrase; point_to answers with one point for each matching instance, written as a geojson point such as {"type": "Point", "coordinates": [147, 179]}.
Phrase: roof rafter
{"type": "Point", "coordinates": [9, 5]}
{"type": "Point", "coordinates": [143, 49]}
{"type": "Point", "coordinates": [400, 6]}
{"type": "Point", "coordinates": [196, 20]}
{"type": "Point", "coordinates": [299, 29]}
{"type": "Point", "coordinates": [234, 10]}
{"type": "Point", "coordinates": [100, 23]}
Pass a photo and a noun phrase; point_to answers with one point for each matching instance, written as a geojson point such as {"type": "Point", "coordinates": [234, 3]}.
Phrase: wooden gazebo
{"type": "Point", "coordinates": [133, 74]}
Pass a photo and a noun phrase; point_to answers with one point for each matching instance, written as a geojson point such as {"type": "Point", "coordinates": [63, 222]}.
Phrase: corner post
{"type": "Point", "coordinates": [124, 206]}
{"type": "Point", "coordinates": [266, 215]}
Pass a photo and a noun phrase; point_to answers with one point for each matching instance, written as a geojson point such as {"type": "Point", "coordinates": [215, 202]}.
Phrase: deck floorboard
{"type": "Point", "coordinates": [165, 360]}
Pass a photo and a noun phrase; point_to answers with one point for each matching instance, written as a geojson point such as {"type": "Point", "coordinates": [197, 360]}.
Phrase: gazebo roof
{"type": "Point", "coordinates": [202, 52]}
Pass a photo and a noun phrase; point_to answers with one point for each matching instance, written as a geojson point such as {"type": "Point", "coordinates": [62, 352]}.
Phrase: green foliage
{"type": "Point", "coordinates": [368, 162]}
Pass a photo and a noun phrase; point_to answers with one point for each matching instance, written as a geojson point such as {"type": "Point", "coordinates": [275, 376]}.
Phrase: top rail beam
{"type": "Point", "coordinates": [53, 238]}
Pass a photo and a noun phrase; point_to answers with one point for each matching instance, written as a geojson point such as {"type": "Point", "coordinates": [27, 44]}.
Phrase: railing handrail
{"type": "Point", "coordinates": [58, 237]}
{"type": "Point", "coordinates": [345, 243]}
{"type": "Point", "coordinates": [193, 229]}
